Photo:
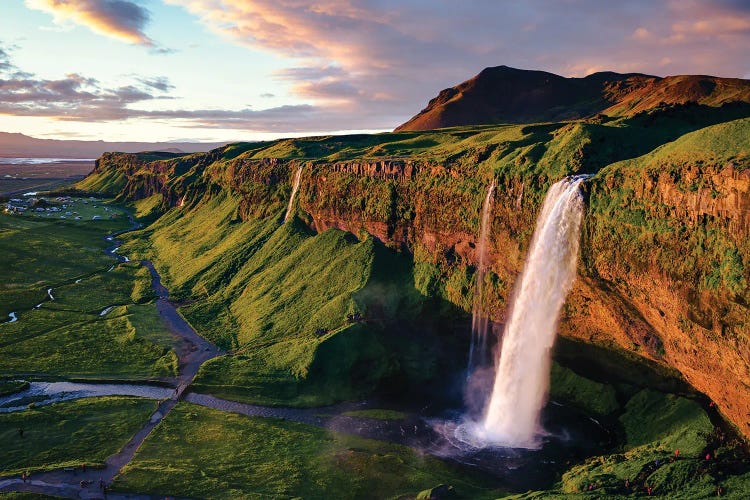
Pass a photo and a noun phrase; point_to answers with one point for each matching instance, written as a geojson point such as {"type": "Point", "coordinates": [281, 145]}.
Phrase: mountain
{"type": "Point", "coordinates": [507, 95]}
{"type": "Point", "coordinates": [20, 145]}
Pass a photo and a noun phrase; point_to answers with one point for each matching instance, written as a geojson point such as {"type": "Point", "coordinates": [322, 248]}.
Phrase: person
{"type": "Point", "coordinates": [627, 483]}
{"type": "Point", "coordinates": [20, 432]}
{"type": "Point", "coordinates": [708, 456]}
{"type": "Point", "coordinates": [649, 490]}
{"type": "Point", "coordinates": [83, 466]}
{"type": "Point", "coordinates": [677, 453]}
{"type": "Point", "coordinates": [719, 491]}
{"type": "Point", "coordinates": [23, 477]}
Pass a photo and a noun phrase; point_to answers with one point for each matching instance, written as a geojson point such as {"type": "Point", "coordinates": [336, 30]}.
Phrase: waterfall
{"type": "Point", "coordinates": [522, 370]}
{"type": "Point", "coordinates": [295, 187]}
{"type": "Point", "coordinates": [479, 320]}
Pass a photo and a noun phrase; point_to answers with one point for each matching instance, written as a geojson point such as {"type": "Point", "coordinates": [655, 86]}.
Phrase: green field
{"type": "Point", "coordinates": [203, 453]}
{"type": "Point", "coordinates": [68, 434]}
{"type": "Point", "coordinates": [69, 336]}
{"type": "Point", "coordinates": [379, 414]}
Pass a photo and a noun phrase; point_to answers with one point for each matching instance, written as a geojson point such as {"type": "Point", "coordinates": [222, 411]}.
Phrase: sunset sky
{"type": "Point", "coordinates": [216, 70]}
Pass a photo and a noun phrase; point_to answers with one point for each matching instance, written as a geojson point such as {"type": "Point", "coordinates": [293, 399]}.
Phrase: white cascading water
{"type": "Point", "coordinates": [479, 320]}
{"type": "Point", "coordinates": [295, 187]}
{"type": "Point", "coordinates": [512, 415]}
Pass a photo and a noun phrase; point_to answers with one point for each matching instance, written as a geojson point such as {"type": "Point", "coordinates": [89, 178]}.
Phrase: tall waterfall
{"type": "Point", "coordinates": [522, 370]}
{"type": "Point", "coordinates": [295, 187]}
{"type": "Point", "coordinates": [479, 320]}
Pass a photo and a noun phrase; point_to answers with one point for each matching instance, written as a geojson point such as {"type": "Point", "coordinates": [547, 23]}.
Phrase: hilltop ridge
{"type": "Point", "coordinates": [503, 94]}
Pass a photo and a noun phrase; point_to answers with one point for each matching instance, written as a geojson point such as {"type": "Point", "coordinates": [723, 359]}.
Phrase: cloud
{"type": "Point", "coordinates": [119, 19]}
{"type": "Point", "coordinates": [79, 98]}
{"type": "Point", "coordinates": [384, 59]}
{"type": "Point", "coordinates": [374, 63]}
{"type": "Point", "coordinates": [267, 95]}
{"type": "Point", "coordinates": [159, 83]}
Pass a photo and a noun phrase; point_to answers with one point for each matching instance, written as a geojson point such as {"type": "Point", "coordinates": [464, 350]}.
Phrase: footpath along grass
{"type": "Point", "coordinates": [70, 433]}
{"type": "Point", "coordinates": [203, 453]}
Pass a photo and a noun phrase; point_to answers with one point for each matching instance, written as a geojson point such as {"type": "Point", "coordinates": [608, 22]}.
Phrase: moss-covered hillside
{"type": "Point", "coordinates": [370, 285]}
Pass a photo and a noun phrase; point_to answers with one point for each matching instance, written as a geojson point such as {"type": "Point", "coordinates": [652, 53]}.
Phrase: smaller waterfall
{"type": "Point", "coordinates": [523, 367]}
{"type": "Point", "coordinates": [479, 320]}
{"type": "Point", "coordinates": [295, 187]}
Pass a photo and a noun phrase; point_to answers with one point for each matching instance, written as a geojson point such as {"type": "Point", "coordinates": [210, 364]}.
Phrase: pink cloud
{"type": "Point", "coordinates": [120, 19]}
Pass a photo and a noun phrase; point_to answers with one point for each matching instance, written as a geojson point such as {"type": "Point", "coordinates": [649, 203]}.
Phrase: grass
{"type": "Point", "coordinates": [8, 387]}
{"type": "Point", "coordinates": [70, 433]}
{"type": "Point", "coordinates": [378, 414]}
{"type": "Point", "coordinates": [24, 496]}
{"type": "Point", "coordinates": [655, 425]}
{"type": "Point", "coordinates": [592, 397]}
{"type": "Point", "coordinates": [130, 342]}
{"type": "Point", "coordinates": [281, 297]}
{"type": "Point", "coordinates": [47, 253]}
{"type": "Point", "coordinates": [203, 453]}
{"type": "Point", "coordinates": [68, 336]}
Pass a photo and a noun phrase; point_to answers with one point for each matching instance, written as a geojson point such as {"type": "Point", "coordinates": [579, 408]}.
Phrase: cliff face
{"type": "Point", "coordinates": [665, 261]}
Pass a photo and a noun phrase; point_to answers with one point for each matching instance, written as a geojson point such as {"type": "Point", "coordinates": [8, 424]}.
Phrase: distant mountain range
{"type": "Point", "coordinates": [508, 95]}
{"type": "Point", "coordinates": [20, 145]}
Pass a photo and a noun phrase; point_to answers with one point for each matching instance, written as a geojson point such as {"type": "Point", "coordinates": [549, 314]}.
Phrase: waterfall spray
{"type": "Point", "coordinates": [479, 320]}
{"type": "Point", "coordinates": [295, 187]}
{"type": "Point", "coordinates": [522, 371]}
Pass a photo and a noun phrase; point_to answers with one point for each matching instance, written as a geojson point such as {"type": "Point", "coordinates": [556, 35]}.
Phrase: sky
{"type": "Point", "coordinates": [224, 70]}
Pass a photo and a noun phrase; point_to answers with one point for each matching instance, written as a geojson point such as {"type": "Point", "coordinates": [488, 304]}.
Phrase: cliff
{"type": "Point", "coordinates": [509, 95]}
{"type": "Point", "coordinates": [663, 275]}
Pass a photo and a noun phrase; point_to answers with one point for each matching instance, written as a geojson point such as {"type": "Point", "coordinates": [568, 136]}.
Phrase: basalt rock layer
{"type": "Point", "coordinates": [665, 263]}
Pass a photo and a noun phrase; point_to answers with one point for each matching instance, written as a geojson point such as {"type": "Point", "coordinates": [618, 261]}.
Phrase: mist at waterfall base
{"type": "Point", "coordinates": [506, 399]}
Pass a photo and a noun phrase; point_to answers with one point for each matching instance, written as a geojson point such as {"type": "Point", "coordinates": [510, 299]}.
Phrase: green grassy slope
{"type": "Point", "coordinates": [281, 297]}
